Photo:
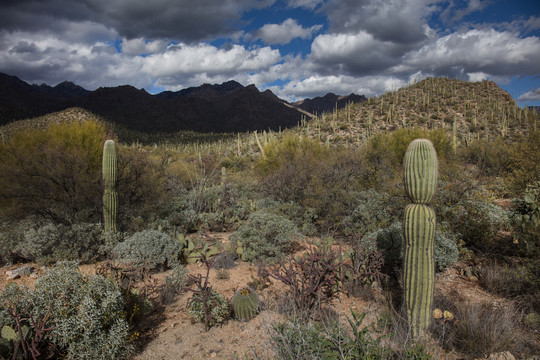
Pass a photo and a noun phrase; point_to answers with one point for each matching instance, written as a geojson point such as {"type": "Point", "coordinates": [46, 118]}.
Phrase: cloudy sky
{"type": "Point", "coordinates": [296, 48]}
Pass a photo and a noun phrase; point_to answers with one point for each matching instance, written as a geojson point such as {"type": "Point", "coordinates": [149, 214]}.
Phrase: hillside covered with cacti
{"type": "Point", "coordinates": [406, 226]}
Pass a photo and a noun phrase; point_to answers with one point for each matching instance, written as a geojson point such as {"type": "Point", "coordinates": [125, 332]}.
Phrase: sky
{"type": "Point", "coordinates": [296, 48]}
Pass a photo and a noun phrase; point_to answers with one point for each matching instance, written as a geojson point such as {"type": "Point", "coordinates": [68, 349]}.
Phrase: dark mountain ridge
{"type": "Point", "coordinates": [327, 103]}
{"type": "Point", "coordinates": [227, 107]}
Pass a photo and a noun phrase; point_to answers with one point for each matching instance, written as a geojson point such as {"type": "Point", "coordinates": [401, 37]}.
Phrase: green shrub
{"type": "Point", "coordinates": [215, 208]}
{"type": "Point", "coordinates": [479, 223]}
{"type": "Point", "coordinates": [174, 283]}
{"type": "Point", "coordinates": [390, 240]}
{"type": "Point", "coordinates": [526, 220]}
{"type": "Point", "coordinates": [140, 186]}
{"type": "Point", "coordinates": [296, 339]}
{"type": "Point", "coordinates": [85, 312]}
{"type": "Point", "coordinates": [266, 237]}
{"type": "Point", "coordinates": [62, 167]}
{"type": "Point", "coordinates": [149, 248]}
{"type": "Point", "coordinates": [384, 154]}
{"type": "Point", "coordinates": [303, 218]}
{"type": "Point", "coordinates": [373, 210]}
{"type": "Point", "coordinates": [316, 177]}
{"type": "Point", "coordinates": [218, 308]}
{"type": "Point", "coordinates": [526, 159]}
{"type": "Point", "coordinates": [51, 243]}
{"type": "Point", "coordinates": [206, 305]}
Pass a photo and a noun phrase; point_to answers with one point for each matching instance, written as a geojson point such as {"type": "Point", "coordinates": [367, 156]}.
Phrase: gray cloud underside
{"type": "Point", "coordinates": [182, 20]}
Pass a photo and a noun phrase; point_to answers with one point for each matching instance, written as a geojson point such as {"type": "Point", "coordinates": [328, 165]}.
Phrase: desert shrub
{"type": "Point", "coordinates": [479, 222]}
{"type": "Point", "coordinates": [390, 241]}
{"type": "Point", "coordinates": [364, 270]}
{"type": "Point", "coordinates": [520, 282]}
{"type": "Point", "coordinates": [492, 157]}
{"type": "Point", "coordinates": [297, 339]}
{"type": "Point", "coordinates": [526, 161]}
{"type": "Point", "coordinates": [526, 219]}
{"type": "Point", "coordinates": [85, 313]}
{"type": "Point", "coordinates": [206, 305]}
{"type": "Point", "coordinates": [215, 208]}
{"type": "Point", "coordinates": [53, 172]}
{"type": "Point", "coordinates": [312, 279]}
{"type": "Point", "coordinates": [373, 210]}
{"type": "Point", "coordinates": [210, 309]}
{"type": "Point", "coordinates": [149, 248]}
{"type": "Point", "coordinates": [384, 154]}
{"type": "Point", "coordinates": [480, 330]}
{"type": "Point", "coordinates": [265, 237]}
{"type": "Point", "coordinates": [303, 218]}
{"type": "Point", "coordinates": [174, 283]}
{"type": "Point", "coordinates": [306, 172]}
{"type": "Point", "coordinates": [140, 186]}
{"type": "Point", "coordinates": [446, 252]}
{"type": "Point", "coordinates": [12, 234]}
{"type": "Point", "coordinates": [51, 243]}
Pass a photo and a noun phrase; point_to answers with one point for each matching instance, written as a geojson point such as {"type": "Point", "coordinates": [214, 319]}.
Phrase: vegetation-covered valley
{"type": "Point", "coordinates": [276, 244]}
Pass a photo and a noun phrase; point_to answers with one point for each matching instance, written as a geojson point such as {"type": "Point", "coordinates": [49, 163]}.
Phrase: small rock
{"type": "Point", "coordinates": [24, 270]}
{"type": "Point", "coordinates": [9, 272]}
{"type": "Point", "coordinates": [213, 355]}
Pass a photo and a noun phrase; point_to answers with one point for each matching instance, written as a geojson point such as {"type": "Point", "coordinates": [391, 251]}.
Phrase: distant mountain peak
{"type": "Point", "coordinates": [226, 107]}
{"type": "Point", "coordinates": [328, 102]}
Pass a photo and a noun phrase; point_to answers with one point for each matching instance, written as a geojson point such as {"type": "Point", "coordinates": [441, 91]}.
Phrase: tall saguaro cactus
{"type": "Point", "coordinates": [110, 197]}
{"type": "Point", "coordinates": [421, 173]}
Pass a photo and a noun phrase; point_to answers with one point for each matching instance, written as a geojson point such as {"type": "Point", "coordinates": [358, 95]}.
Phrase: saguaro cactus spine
{"type": "Point", "coordinates": [420, 178]}
{"type": "Point", "coordinates": [110, 197]}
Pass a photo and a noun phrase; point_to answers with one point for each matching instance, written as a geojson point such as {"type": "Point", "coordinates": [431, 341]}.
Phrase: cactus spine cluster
{"type": "Point", "coordinates": [110, 197]}
{"type": "Point", "coordinates": [421, 173]}
{"type": "Point", "coordinates": [245, 304]}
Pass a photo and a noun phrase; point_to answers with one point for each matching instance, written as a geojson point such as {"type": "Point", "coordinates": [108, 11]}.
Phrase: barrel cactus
{"type": "Point", "coordinates": [245, 304]}
{"type": "Point", "coordinates": [420, 178]}
{"type": "Point", "coordinates": [110, 197]}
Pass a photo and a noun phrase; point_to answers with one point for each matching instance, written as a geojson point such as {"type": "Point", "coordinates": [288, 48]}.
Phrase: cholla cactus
{"type": "Point", "coordinates": [245, 304]}
{"type": "Point", "coordinates": [110, 197]}
{"type": "Point", "coordinates": [420, 178]}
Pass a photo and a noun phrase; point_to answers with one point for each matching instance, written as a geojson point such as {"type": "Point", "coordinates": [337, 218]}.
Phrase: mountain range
{"type": "Point", "coordinates": [226, 107]}
{"type": "Point", "coordinates": [328, 103]}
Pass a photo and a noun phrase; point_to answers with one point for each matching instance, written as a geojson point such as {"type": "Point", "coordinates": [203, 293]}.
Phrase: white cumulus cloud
{"type": "Point", "coordinates": [487, 51]}
{"type": "Point", "coordinates": [533, 95]}
{"type": "Point", "coordinates": [285, 32]}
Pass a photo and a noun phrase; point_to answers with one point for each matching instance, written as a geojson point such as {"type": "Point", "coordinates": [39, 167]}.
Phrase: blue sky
{"type": "Point", "coordinates": [296, 48]}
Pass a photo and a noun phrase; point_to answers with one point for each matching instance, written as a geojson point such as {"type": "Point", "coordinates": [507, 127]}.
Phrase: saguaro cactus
{"type": "Point", "coordinates": [110, 197]}
{"type": "Point", "coordinates": [420, 178]}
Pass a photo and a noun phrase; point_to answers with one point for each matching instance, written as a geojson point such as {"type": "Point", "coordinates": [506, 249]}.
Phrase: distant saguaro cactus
{"type": "Point", "coordinates": [110, 197]}
{"type": "Point", "coordinates": [420, 178]}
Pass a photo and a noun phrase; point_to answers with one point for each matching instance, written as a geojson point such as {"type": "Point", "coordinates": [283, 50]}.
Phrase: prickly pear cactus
{"type": "Point", "coordinates": [420, 178]}
{"type": "Point", "coordinates": [110, 197]}
{"type": "Point", "coordinates": [245, 304]}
